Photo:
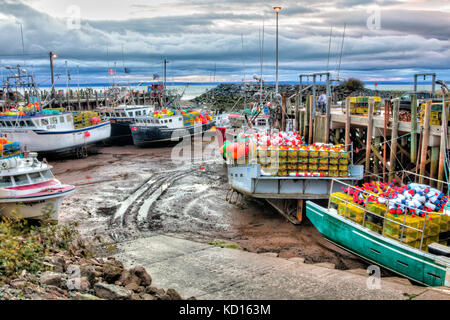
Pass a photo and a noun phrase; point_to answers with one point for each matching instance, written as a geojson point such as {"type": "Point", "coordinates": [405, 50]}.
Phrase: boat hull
{"type": "Point", "coordinates": [120, 132]}
{"type": "Point", "coordinates": [45, 141]}
{"type": "Point", "coordinates": [409, 262]}
{"type": "Point", "coordinates": [146, 136]}
{"type": "Point", "coordinates": [34, 207]}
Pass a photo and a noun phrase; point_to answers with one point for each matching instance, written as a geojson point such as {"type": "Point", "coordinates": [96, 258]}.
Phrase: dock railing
{"type": "Point", "coordinates": [384, 217]}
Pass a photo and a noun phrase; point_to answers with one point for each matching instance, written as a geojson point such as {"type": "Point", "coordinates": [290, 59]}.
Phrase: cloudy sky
{"type": "Point", "coordinates": [384, 40]}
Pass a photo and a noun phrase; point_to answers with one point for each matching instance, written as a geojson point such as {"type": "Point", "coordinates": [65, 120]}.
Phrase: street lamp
{"type": "Point", "coordinates": [52, 56]}
{"type": "Point", "coordinates": [277, 10]}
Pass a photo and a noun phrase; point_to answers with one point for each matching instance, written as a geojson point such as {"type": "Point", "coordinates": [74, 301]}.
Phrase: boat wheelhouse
{"type": "Point", "coordinates": [239, 122]}
{"type": "Point", "coordinates": [121, 117]}
{"type": "Point", "coordinates": [169, 125]}
{"type": "Point", "coordinates": [28, 188]}
{"type": "Point", "coordinates": [415, 247]}
{"type": "Point", "coordinates": [54, 131]}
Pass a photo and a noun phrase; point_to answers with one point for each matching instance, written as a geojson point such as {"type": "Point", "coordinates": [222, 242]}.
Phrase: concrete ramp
{"type": "Point", "coordinates": [209, 272]}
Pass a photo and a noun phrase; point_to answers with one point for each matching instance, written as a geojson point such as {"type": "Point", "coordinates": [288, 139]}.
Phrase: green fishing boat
{"type": "Point", "coordinates": [368, 235]}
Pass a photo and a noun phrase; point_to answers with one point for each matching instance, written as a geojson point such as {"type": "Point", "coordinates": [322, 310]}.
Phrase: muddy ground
{"type": "Point", "coordinates": [126, 192]}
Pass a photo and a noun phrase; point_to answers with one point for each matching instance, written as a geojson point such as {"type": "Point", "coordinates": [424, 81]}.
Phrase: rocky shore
{"type": "Point", "coordinates": [54, 263]}
{"type": "Point", "coordinates": [225, 96]}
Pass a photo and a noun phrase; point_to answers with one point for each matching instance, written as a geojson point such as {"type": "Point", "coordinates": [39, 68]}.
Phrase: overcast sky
{"type": "Point", "coordinates": [384, 40]}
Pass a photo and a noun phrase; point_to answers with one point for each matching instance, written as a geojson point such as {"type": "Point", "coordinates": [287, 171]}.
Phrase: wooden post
{"type": "Point", "coordinates": [443, 147]}
{"type": "Point", "coordinates": [434, 164]}
{"type": "Point", "coordinates": [283, 112]}
{"type": "Point", "coordinates": [425, 139]}
{"type": "Point", "coordinates": [79, 100]}
{"type": "Point", "coordinates": [394, 137]}
{"type": "Point", "coordinates": [347, 124]}
{"type": "Point", "coordinates": [369, 133]}
{"type": "Point", "coordinates": [376, 163]}
{"type": "Point", "coordinates": [327, 120]}
{"type": "Point", "coordinates": [337, 136]}
{"type": "Point", "coordinates": [311, 121]}
{"type": "Point", "coordinates": [96, 99]}
{"type": "Point", "coordinates": [387, 104]}
{"type": "Point", "coordinates": [414, 128]}
{"type": "Point", "coordinates": [87, 100]}
{"type": "Point", "coordinates": [297, 115]}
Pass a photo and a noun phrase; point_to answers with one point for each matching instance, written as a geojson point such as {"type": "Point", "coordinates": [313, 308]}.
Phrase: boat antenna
{"type": "Point", "coordinates": [342, 48]}
{"type": "Point", "coordinates": [243, 57]}
{"type": "Point", "coordinates": [23, 46]}
{"type": "Point", "coordinates": [261, 59]}
{"type": "Point", "coordinates": [329, 49]}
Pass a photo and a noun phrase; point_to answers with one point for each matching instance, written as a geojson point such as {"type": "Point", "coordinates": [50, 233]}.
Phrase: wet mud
{"type": "Point", "coordinates": [128, 192]}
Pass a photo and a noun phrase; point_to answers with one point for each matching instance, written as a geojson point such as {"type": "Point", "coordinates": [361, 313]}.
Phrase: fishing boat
{"type": "Point", "coordinates": [50, 131]}
{"type": "Point", "coordinates": [285, 175]}
{"type": "Point", "coordinates": [169, 125]}
{"type": "Point", "coordinates": [242, 121]}
{"type": "Point", "coordinates": [121, 117]}
{"type": "Point", "coordinates": [412, 245]}
{"type": "Point", "coordinates": [28, 188]}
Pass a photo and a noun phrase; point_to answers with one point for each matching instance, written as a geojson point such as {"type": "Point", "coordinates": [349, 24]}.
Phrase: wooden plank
{"type": "Point", "coordinates": [413, 129]}
{"type": "Point", "coordinates": [425, 139]}
{"type": "Point", "coordinates": [434, 165]}
{"type": "Point", "coordinates": [394, 137]}
{"type": "Point", "coordinates": [311, 121]}
{"type": "Point", "coordinates": [327, 120]}
{"type": "Point", "coordinates": [347, 124]}
{"type": "Point", "coordinates": [443, 146]}
{"type": "Point", "coordinates": [369, 133]}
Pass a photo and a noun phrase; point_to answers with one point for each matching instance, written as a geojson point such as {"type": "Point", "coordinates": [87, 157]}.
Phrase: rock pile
{"type": "Point", "coordinates": [80, 278]}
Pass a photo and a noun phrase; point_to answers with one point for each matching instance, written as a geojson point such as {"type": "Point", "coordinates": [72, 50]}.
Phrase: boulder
{"type": "Point", "coordinates": [79, 284]}
{"type": "Point", "coordinates": [111, 291]}
{"type": "Point", "coordinates": [57, 263]}
{"type": "Point", "coordinates": [112, 271]}
{"type": "Point", "coordinates": [127, 278]}
{"type": "Point", "coordinates": [173, 294]}
{"type": "Point", "coordinates": [142, 274]}
{"type": "Point", "coordinates": [51, 279]}
{"type": "Point", "coordinates": [146, 296]}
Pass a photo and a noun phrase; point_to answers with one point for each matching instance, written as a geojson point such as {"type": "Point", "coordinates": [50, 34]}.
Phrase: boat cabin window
{"type": "Point", "coordinates": [47, 174]}
{"type": "Point", "coordinates": [30, 123]}
{"type": "Point", "coordinates": [22, 124]}
{"type": "Point", "coordinates": [107, 114]}
{"type": "Point", "coordinates": [44, 122]}
{"type": "Point", "coordinates": [261, 122]}
{"type": "Point", "coordinates": [144, 111]}
{"type": "Point", "coordinates": [53, 120]}
{"type": "Point", "coordinates": [61, 119]}
{"type": "Point", "coordinates": [21, 180]}
{"type": "Point", "coordinates": [36, 177]}
{"type": "Point", "coordinates": [123, 114]}
{"type": "Point", "coordinates": [130, 114]}
{"type": "Point", "coordinates": [69, 118]}
{"type": "Point", "coordinates": [2, 124]}
{"type": "Point", "coordinates": [138, 113]}
{"type": "Point", "coordinates": [170, 120]}
{"type": "Point", "coordinates": [5, 181]}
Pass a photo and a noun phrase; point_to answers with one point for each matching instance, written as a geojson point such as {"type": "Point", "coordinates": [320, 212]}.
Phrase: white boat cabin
{"type": "Point", "coordinates": [125, 111]}
{"type": "Point", "coordinates": [172, 122]}
{"type": "Point", "coordinates": [57, 122]}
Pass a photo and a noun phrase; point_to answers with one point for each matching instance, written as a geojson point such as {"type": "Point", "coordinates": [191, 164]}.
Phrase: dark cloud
{"type": "Point", "coordinates": [209, 33]}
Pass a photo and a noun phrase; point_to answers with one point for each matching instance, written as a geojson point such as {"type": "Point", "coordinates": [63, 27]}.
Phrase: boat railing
{"type": "Point", "coordinates": [384, 217]}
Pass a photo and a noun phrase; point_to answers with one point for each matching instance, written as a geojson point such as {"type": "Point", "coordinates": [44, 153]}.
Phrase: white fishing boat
{"type": "Point", "coordinates": [28, 188]}
{"type": "Point", "coordinates": [54, 131]}
{"type": "Point", "coordinates": [121, 117]}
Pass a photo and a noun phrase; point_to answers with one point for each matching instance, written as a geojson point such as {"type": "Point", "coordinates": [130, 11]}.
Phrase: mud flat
{"type": "Point", "coordinates": [132, 197]}
{"type": "Point", "coordinates": [126, 193]}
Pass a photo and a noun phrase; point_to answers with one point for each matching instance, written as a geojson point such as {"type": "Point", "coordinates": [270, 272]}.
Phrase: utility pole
{"type": "Point", "coordinates": [52, 56]}
{"type": "Point", "coordinates": [277, 10]}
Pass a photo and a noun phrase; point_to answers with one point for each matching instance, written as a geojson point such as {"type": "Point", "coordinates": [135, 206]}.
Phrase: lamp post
{"type": "Point", "coordinates": [277, 10]}
{"type": "Point", "coordinates": [52, 56]}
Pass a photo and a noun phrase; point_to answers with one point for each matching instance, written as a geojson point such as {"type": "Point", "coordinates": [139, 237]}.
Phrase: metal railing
{"type": "Point", "coordinates": [383, 217]}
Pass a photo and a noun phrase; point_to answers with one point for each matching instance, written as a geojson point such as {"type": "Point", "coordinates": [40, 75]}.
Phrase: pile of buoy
{"type": "Point", "coordinates": [413, 199]}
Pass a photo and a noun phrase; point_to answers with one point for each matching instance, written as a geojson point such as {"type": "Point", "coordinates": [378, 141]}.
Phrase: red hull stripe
{"type": "Point", "coordinates": [46, 192]}
{"type": "Point", "coordinates": [36, 185]}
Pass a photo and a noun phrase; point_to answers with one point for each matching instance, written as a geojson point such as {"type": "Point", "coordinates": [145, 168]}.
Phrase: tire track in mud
{"type": "Point", "coordinates": [135, 210]}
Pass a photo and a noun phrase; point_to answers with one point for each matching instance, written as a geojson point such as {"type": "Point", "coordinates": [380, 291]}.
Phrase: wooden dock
{"type": "Point", "coordinates": [386, 145]}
